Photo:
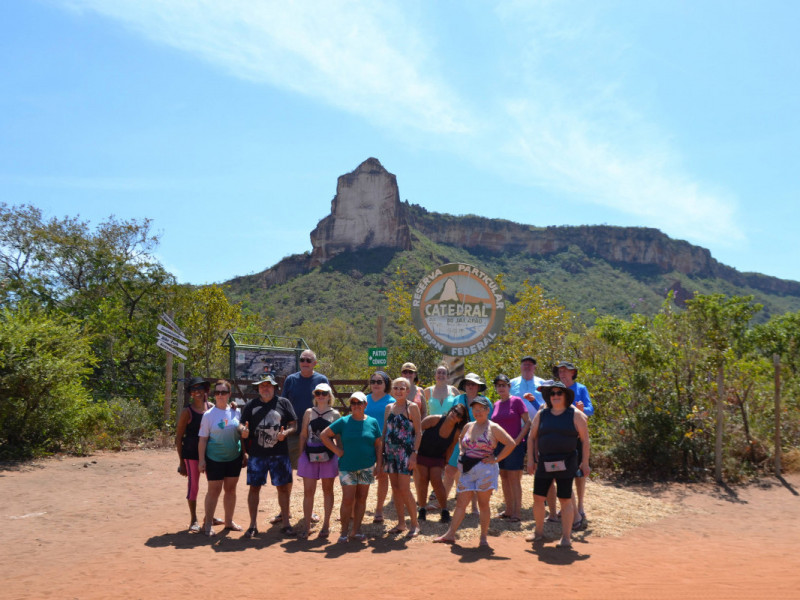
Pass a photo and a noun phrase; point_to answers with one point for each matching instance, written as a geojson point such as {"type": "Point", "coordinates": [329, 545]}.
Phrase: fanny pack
{"type": "Point", "coordinates": [318, 454]}
{"type": "Point", "coordinates": [467, 462]}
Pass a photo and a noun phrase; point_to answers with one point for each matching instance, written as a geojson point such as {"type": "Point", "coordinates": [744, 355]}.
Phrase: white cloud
{"type": "Point", "coordinates": [566, 122]}
{"type": "Point", "coordinates": [361, 57]}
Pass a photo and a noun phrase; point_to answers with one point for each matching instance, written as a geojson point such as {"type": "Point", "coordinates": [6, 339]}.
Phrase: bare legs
{"type": "Point", "coordinates": [383, 490]}
{"type": "Point", "coordinates": [354, 502]}
{"type": "Point", "coordinates": [404, 501]}
{"type": "Point", "coordinates": [512, 492]}
{"type": "Point", "coordinates": [567, 510]}
{"type": "Point", "coordinates": [309, 491]}
{"type": "Point", "coordinates": [253, 495]}
{"type": "Point", "coordinates": [215, 488]}
{"type": "Point", "coordinates": [212, 495]}
{"type": "Point", "coordinates": [284, 495]}
{"type": "Point", "coordinates": [463, 500]}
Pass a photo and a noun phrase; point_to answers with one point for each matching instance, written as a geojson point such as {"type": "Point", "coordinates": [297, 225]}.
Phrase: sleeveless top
{"type": "Point", "coordinates": [480, 448]}
{"type": "Point", "coordinates": [317, 423]}
{"type": "Point", "coordinates": [191, 439]}
{"type": "Point", "coordinates": [399, 433]}
{"type": "Point", "coordinates": [433, 445]}
{"type": "Point", "coordinates": [557, 439]}
{"type": "Point", "coordinates": [440, 407]}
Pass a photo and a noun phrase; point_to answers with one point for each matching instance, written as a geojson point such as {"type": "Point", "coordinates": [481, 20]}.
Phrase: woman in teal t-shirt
{"type": "Point", "coordinates": [359, 452]}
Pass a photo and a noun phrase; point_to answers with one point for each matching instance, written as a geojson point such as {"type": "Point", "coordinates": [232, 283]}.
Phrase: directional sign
{"type": "Point", "coordinates": [164, 346]}
{"type": "Point", "coordinates": [172, 333]}
{"type": "Point", "coordinates": [172, 342]}
{"type": "Point", "coordinates": [377, 357]}
{"type": "Point", "coordinates": [166, 318]}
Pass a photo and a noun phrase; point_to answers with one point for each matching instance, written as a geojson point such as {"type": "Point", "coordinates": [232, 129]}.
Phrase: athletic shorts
{"type": "Point", "coordinates": [542, 483]}
{"type": "Point", "coordinates": [480, 478]}
{"type": "Point", "coordinates": [512, 462]}
{"type": "Point", "coordinates": [279, 469]}
{"type": "Point", "coordinates": [217, 471]}
{"type": "Point", "coordinates": [317, 470]}
{"type": "Point", "coordinates": [359, 477]}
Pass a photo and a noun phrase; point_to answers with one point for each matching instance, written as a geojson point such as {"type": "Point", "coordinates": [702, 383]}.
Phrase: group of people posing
{"type": "Point", "coordinates": [441, 435]}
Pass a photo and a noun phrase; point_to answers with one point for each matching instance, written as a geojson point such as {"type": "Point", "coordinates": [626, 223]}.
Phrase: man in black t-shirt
{"type": "Point", "coordinates": [266, 423]}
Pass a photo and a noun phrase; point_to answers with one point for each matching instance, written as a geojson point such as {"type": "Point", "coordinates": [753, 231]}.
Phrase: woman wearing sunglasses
{"type": "Point", "coordinates": [220, 452]}
{"type": "Point", "coordinates": [377, 400]}
{"type": "Point", "coordinates": [401, 439]}
{"type": "Point", "coordinates": [316, 462]}
{"type": "Point", "coordinates": [359, 452]}
{"type": "Point", "coordinates": [553, 455]}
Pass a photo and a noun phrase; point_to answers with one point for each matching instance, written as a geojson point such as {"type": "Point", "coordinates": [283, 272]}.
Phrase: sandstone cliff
{"type": "Point", "coordinates": [367, 213]}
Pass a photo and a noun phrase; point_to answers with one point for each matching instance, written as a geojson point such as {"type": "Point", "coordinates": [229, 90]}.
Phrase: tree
{"type": "Point", "coordinates": [45, 359]}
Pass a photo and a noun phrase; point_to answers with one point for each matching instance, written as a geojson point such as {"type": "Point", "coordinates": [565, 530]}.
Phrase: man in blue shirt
{"type": "Point", "coordinates": [527, 383]}
{"type": "Point", "coordinates": [299, 389]}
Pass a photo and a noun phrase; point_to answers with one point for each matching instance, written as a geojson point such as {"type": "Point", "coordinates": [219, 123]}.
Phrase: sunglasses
{"type": "Point", "coordinates": [376, 381]}
{"type": "Point", "coordinates": [557, 393]}
{"type": "Point", "coordinates": [320, 393]}
{"type": "Point", "coordinates": [197, 389]}
{"type": "Point", "coordinates": [354, 404]}
{"type": "Point", "coordinates": [399, 387]}
{"type": "Point", "coordinates": [408, 372]}
{"type": "Point", "coordinates": [221, 392]}
{"type": "Point", "coordinates": [308, 360]}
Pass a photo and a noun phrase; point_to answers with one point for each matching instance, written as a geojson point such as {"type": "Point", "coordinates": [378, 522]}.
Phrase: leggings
{"type": "Point", "coordinates": [193, 477]}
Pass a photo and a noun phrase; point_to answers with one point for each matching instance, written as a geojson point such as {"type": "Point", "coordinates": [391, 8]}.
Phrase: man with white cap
{"type": "Point", "coordinates": [266, 422]}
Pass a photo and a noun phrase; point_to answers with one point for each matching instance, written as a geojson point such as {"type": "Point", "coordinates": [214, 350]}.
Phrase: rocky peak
{"type": "Point", "coordinates": [365, 213]}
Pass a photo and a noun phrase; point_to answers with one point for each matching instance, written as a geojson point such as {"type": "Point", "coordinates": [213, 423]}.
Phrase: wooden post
{"type": "Point", "coordinates": [776, 361]}
{"type": "Point", "coordinates": [720, 422]}
{"type": "Point", "coordinates": [168, 391]}
{"type": "Point", "coordinates": [180, 395]}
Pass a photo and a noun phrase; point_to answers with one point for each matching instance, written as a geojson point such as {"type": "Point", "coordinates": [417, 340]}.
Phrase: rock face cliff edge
{"type": "Point", "coordinates": [367, 213]}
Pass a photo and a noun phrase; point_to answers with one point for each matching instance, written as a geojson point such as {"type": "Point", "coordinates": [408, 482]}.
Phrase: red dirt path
{"type": "Point", "coordinates": [116, 528]}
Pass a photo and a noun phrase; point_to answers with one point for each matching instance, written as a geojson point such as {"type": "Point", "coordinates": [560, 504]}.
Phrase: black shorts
{"type": "Point", "coordinates": [217, 471]}
{"type": "Point", "coordinates": [542, 483]}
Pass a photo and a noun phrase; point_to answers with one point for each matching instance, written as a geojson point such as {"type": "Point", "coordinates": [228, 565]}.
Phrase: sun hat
{"type": "Point", "coordinates": [195, 381]}
{"type": "Point", "coordinates": [323, 387]}
{"type": "Point", "coordinates": [547, 386]}
{"type": "Point", "coordinates": [267, 378]}
{"type": "Point", "coordinates": [566, 364]}
{"type": "Point", "coordinates": [474, 378]}
{"type": "Point", "coordinates": [359, 396]}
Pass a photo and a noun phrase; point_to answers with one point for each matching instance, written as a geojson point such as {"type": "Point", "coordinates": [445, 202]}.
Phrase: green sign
{"type": "Point", "coordinates": [377, 357]}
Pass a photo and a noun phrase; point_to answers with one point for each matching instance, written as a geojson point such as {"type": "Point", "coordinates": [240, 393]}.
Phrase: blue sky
{"type": "Point", "coordinates": [227, 123]}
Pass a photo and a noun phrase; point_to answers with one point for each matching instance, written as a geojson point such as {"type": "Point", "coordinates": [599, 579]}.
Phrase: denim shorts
{"type": "Point", "coordinates": [279, 469]}
{"type": "Point", "coordinates": [480, 478]}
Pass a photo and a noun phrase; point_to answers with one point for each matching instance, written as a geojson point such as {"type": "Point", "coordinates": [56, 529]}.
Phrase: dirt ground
{"type": "Point", "coordinates": [114, 525]}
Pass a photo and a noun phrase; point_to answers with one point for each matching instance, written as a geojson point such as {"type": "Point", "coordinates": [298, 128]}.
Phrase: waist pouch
{"type": "Point", "coordinates": [558, 465]}
{"type": "Point", "coordinates": [318, 454]}
{"type": "Point", "coordinates": [467, 462]}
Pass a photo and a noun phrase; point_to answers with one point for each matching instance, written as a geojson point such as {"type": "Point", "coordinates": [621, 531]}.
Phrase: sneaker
{"type": "Point", "coordinates": [445, 516]}
{"type": "Point", "coordinates": [423, 514]}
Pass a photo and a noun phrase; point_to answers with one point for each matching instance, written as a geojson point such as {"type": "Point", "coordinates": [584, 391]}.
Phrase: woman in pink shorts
{"type": "Point", "coordinates": [316, 461]}
{"type": "Point", "coordinates": [186, 441]}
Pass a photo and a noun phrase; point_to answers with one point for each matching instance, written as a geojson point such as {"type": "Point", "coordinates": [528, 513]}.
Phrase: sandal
{"type": "Point", "coordinates": [443, 540]}
{"type": "Point", "coordinates": [535, 537]}
{"type": "Point", "coordinates": [359, 537]}
{"type": "Point", "coordinates": [577, 525]}
{"type": "Point", "coordinates": [342, 539]}
{"type": "Point", "coordinates": [208, 531]}
{"type": "Point", "coordinates": [194, 527]}
{"type": "Point", "coordinates": [323, 533]}
{"type": "Point", "coordinates": [288, 531]}
{"type": "Point", "coordinates": [378, 519]}
{"type": "Point", "coordinates": [251, 533]}
{"type": "Point", "coordinates": [396, 530]}
{"type": "Point", "coordinates": [233, 527]}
